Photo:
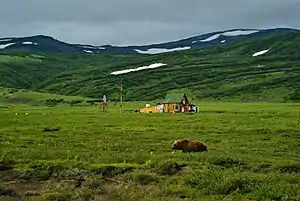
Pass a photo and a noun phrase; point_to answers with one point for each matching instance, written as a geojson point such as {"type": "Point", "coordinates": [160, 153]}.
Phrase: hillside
{"type": "Point", "coordinates": [11, 96]}
{"type": "Point", "coordinates": [41, 43]}
{"type": "Point", "coordinates": [261, 68]}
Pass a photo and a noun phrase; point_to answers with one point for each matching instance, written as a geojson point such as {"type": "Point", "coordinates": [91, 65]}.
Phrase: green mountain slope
{"type": "Point", "coordinates": [22, 96]}
{"type": "Point", "coordinates": [227, 71]}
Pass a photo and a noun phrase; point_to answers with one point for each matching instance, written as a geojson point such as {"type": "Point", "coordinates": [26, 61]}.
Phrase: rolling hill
{"type": "Point", "coordinates": [262, 66]}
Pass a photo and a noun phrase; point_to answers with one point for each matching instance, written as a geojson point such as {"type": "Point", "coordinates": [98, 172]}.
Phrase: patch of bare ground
{"type": "Point", "coordinates": [21, 185]}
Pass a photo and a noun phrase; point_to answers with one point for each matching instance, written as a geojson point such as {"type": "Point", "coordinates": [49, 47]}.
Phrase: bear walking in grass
{"type": "Point", "coordinates": [189, 146]}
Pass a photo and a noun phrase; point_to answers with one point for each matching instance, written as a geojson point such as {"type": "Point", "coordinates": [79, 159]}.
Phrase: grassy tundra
{"type": "Point", "coordinates": [76, 153]}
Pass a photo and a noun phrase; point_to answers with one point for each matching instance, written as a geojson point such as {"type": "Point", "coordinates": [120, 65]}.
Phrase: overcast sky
{"type": "Point", "coordinates": [131, 22]}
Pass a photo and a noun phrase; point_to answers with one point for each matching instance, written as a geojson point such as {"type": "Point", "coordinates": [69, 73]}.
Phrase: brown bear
{"type": "Point", "coordinates": [189, 146]}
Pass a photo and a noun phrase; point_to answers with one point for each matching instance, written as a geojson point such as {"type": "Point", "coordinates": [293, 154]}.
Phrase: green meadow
{"type": "Point", "coordinates": [74, 152]}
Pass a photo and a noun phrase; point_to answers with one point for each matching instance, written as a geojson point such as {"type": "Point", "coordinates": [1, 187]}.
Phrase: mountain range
{"type": "Point", "coordinates": [239, 64]}
{"type": "Point", "coordinates": [41, 43]}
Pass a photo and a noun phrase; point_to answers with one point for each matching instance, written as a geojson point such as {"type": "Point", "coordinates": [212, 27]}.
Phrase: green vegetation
{"type": "Point", "coordinates": [76, 153]}
{"type": "Point", "coordinates": [224, 72]}
{"type": "Point", "coordinates": [21, 96]}
{"type": "Point", "coordinates": [54, 146]}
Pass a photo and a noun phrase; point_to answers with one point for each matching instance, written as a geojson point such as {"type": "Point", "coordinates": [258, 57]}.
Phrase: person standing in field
{"type": "Point", "coordinates": [103, 104]}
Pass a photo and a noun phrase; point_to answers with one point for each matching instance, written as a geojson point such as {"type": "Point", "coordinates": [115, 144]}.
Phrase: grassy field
{"type": "Point", "coordinates": [76, 153]}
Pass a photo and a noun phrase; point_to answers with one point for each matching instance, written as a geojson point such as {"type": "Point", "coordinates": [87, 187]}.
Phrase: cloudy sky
{"type": "Point", "coordinates": [132, 22]}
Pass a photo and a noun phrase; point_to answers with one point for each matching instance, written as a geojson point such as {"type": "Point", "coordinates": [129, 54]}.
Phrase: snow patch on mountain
{"type": "Point", "coordinates": [88, 51]}
{"type": "Point", "coordinates": [91, 47]}
{"type": "Point", "coordinates": [6, 45]}
{"type": "Point", "coordinates": [5, 40]}
{"type": "Point", "coordinates": [88, 47]}
{"type": "Point", "coordinates": [229, 33]}
{"type": "Point", "coordinates": [239, 32]}
{"type": "Point", "coordinates": [102, 48]}
{"type": "Point", "coordinates": [223, 41]}
{"type": "Point", "coordinates": [29, 43]}
{"type": "Point", "coordinates": [260, 53]}
{"type": "Point", "coordinates": [161, 50]}
{"type": "Point", "coordinates": [151, 66]}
